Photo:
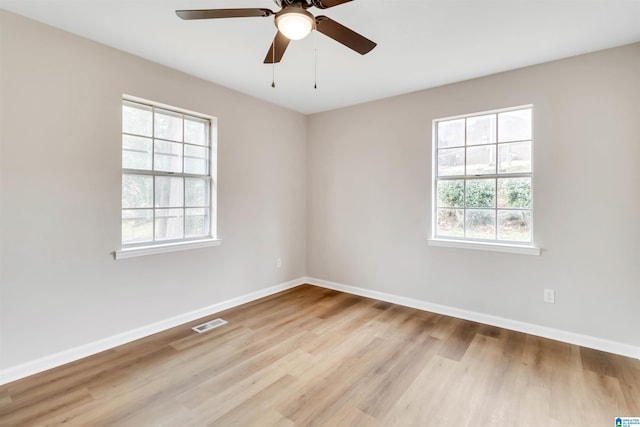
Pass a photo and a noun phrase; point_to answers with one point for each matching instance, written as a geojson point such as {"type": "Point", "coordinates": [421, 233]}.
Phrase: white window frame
{"type": "Point", "coordinates": [528, 248]}
{"type": "Point", "coordinates": [164, 246]}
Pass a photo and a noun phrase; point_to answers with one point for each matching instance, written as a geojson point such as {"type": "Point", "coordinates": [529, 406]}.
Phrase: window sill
{"type": "Point", "coordinates": [484, 246]}
{"type": "Point", "coordinates": [164, 248]}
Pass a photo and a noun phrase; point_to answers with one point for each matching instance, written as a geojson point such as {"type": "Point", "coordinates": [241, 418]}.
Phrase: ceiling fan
{"type": "Point", "coordinates": [293, 22]}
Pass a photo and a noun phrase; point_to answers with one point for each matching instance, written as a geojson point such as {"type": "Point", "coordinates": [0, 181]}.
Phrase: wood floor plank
{"type": "Point", "coordinates": [473, 376]}
{"type": "Point", "coordinates": [24, 413]}
{"type": "Point", "coordinates": [350, 416]}
{"type": "Point", "coordinates": [425, 402]}
{"type": "Point", "coordinates": [563, 382]}
{"type": "Point", "coordinates": [444, 327]}
{"type": "Point", "coordinates": [534, 380]}
{"type": "Point", "coordinates": [495, 375]}
{"type": "Point", "coordinates": [5, 399]}
{"type": "Point", "coordinates": [629, 377]}
{"type": "Point", "coordinates": [490, 331]}
{"type": "Point", "coordinates": [598, 362]}
{"type": "Point", "coordinates": [263, 368]}
{"type": "Point", "coordinates": [606, 399]}
{"type": "Point", "coordinates": [457, 343]}
{"type": "Point", "coordinates": [407, 365]}
{"type": "Point", "coordinates": [311, 356]}
{"type": "Point", "coordinates": [322, 397]}
{"type": "Point", "coordinates": [255, 409]}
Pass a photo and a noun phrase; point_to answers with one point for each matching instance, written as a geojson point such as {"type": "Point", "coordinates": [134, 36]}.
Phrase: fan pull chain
{"type": "Point", "coordinates": [273, 65]}
{"type": "Point", "coordinates": [315, 61]}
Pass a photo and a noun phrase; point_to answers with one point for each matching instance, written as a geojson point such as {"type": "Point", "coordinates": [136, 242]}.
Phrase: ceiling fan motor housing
{"type": "Point", "coordinates": [302, 3]}
{"type": "Point", "coordinates": [310, 3]}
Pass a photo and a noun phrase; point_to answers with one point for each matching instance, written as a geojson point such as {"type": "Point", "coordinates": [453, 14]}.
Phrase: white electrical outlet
{"type": "Point", "coordinates": [550, 296]}
{"type": "Point", "coordinates": [279, 262]}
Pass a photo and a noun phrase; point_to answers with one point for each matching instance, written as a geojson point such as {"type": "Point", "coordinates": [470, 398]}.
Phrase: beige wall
{"type": "Point", "coordinates": [60, 196]}
{"type": "Point", "coordinates": [369, 198]}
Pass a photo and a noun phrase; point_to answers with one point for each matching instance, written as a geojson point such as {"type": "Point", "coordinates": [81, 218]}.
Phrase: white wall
{"type": "Point", "coordinates": [60, 106]}
{"type": "Point", "coordinates": [369, 196]}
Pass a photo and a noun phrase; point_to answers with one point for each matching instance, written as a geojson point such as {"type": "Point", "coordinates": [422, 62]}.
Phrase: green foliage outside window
{"type": "Point", "coordinates": [518, 193]}
{"type": "Point", "coordinates": [515, 193]}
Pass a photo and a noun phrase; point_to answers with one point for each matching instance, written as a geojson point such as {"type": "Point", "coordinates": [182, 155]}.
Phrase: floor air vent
{"type": "Point", "coordinates": [209, 325]}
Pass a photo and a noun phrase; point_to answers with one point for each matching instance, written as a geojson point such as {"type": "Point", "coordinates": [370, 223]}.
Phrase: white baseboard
{"type": "Point", "coordinates": [528, 328]}
{"type": "Point", "coordinates": [48, 362]}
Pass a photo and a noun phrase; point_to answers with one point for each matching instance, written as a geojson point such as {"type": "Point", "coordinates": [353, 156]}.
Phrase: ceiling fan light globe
{"type": "Point", "coordinates": [295, 24]}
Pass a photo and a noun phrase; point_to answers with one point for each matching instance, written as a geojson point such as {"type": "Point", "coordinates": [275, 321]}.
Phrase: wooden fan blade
{"type": "Point", "coordinates": [280, 43]}
{"type": "Point", "coordinates": [344, 35]}
{"type": "Point", "coordinates": [222, 13]}
{"type": "Point", "coordinates": [326, 4]}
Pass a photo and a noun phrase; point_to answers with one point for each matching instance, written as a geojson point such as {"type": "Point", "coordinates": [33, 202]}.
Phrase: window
{"type": "Point", "coordinates": [168, 176]}
{"type": "Point", "coordinates": [483, 178]}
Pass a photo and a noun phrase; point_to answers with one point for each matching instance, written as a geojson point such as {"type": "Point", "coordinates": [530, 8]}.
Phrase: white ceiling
{"type": "Point", "coordinates": [421, 44]}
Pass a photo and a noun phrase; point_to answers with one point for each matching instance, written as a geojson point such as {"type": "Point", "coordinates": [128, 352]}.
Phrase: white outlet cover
{"type": "Point", "coordinates": [549, 296]}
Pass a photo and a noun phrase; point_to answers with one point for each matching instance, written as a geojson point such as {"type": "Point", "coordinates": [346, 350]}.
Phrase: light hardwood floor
{"type": "Point", "coordinates": [311, 356]}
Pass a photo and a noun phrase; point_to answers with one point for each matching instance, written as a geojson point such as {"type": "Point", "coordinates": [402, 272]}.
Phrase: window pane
{"type": "Point", "coordinates": [514, 157]}
{"type": "Point", "coordinates": [451, 193]}
{"type": "Point", "coordinates": [481, 223]}
{"type": "Point", "coordinates": [169, 192]}
{"type": "Point", "coordinates": [481, 193]}
{"type": "Point", "coordinates": [481, 130]}
{"type": "Point", "coordinates": [136, 152]}
{"type": "Point", "coordinates": [169, 224]}
{"type": "Point", "coordinates": [195, 131]}
{"type": "Point", "coordinates": [451, 162]}
{"type": "Point", "coordinates": [450, 223]}
{"type": "Point", "coordinates": [514, 125]}
{"type": "Point", "coordinates": [514, 225]}
{"type": "Point", "coordinates": [514, 193]}
{"type": "Point", "coordinates": [167, 156]}
{"type": "Point", "coordinates": [197, 192]}
{"type": "Point", "coordinates": [137, 191]}
{"type": "Point", "coordinates": [136, 119]}
{"type": "Point", "coordinates": [481, 160]}
{"type": "Point", "coordinates": [196, 222]}
{"type": "Point", "coordinates": [451, 133]}
{"type": "Point", "coordinates": [196, 160]}
{"type": "Point", "coordinates": [168, 125]}
{"type": "Point", "coordinates": [137, 225]}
